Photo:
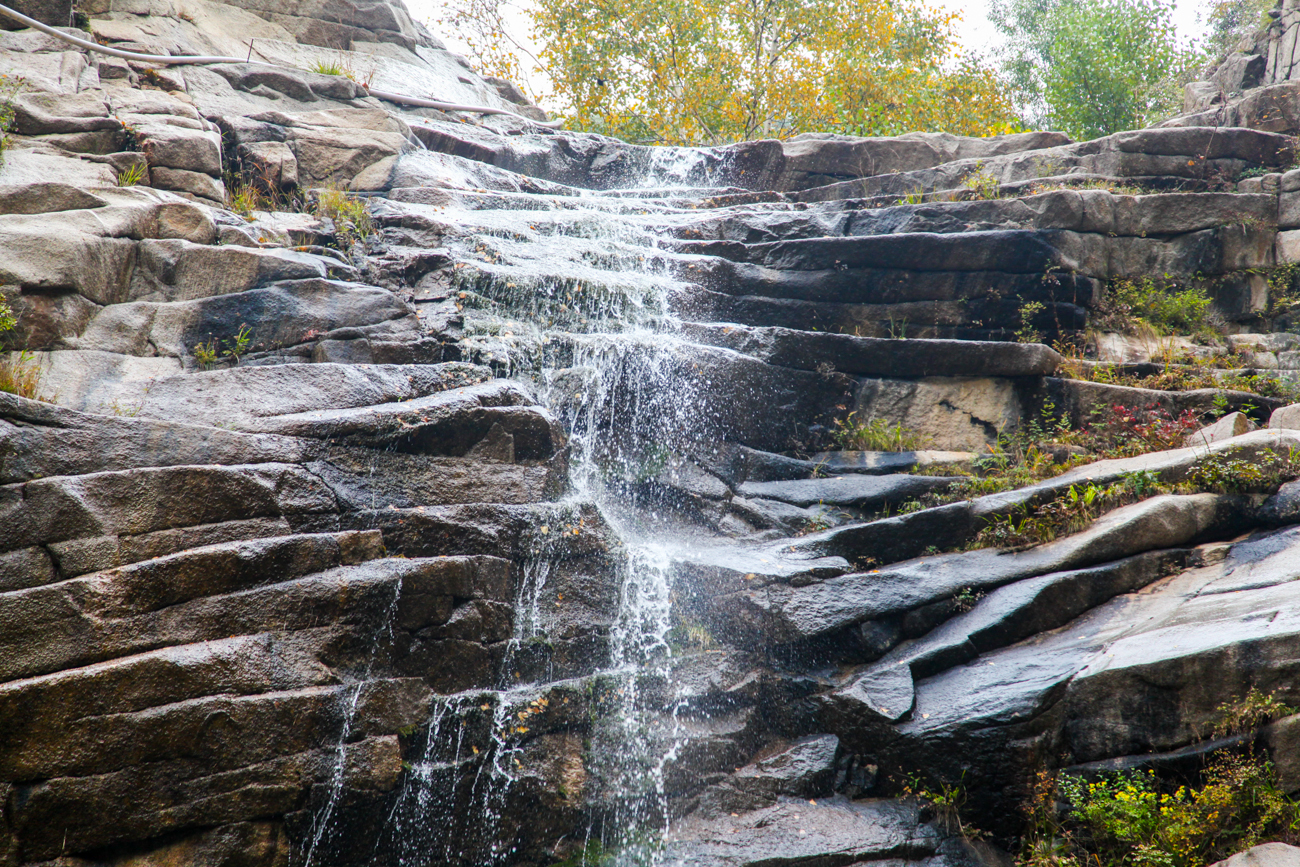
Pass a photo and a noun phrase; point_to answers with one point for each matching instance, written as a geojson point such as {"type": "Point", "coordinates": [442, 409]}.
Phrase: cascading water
{"type": "Point", "coordinates": [572, 294]}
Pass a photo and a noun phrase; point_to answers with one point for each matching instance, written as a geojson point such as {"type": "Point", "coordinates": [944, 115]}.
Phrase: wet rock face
{"type": "Point", "coordinates": [549, 517]}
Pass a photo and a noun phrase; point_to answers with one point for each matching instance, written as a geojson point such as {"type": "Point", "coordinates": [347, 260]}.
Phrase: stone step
{"type": "Point", "coordinates": [797, 831]}
{"type": "Point", "coordinates": [1193, 153]}
{"type": "Point", "coordinates": [865, 356]}
{"type": "Point", "coordinates": [101, 615]}
{"type": "Point", "coordinates": [859, 491]}
{"type": "Point", "coordinates": [275, 318]}
{"type": "Point", "coordinates": [498, 418]}
{"type": "Point", "coordinates": [978, 319]}
{"type": "Point", "coordinates": [1162, 647]}
{"type": "Point", "coordinates": [66, 814]}
{"type": "Point", "coordinates": [236, 398]}
{"type": "Point", "coordinates": [1096, 211]}
{"type": "Point", "coordinates": [905, 537]}
{"type": "Point", "coordinates": [65, 508]}
{"type": "Point", "coordinates": [807, 768]}
{"type": "Point", "coordinates": [1021, 610]}
{"type": "Point", "coordinates": [871, 602]}
{"type": "Point", "coordinates": [40, 439]}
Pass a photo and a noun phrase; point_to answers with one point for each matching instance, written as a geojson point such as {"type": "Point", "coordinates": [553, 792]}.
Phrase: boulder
{"type": "Point", "coordinates": [1234, 424]}
{"type": "Point", "coordinates": [1283, 507]}
{"type": "Point", "coordinates": [1264, 855]}
{"type": "Point", "coordinates": [1285, 417]}
{"type": "Point", "coordinates": [799, 830]}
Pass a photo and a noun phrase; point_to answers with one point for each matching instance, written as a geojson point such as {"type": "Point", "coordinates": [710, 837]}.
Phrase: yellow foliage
{"type": "Point", "coordinates": [716, 71]}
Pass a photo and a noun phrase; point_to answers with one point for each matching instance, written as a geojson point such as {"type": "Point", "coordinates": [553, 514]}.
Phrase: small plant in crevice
{"type": "Point", "coordinates": [967, 599]}
{"type": "Point", "coordinates": [206, 355]}
{"type": "Point", "coordinates": [982, 183]}
{"type": "Point", "coordinates": [132, 175]}
{"type": "Point", "coordinates": [875, 435]}
{"type": "Point", "coordinates": [326, 67]}
{"type": "Point", "coordinates": [1162, 304]}
{"type": "Point", "coordinates": [1118, 188]}
{"type": "Point", "coordinates": [8, 321]}
{"type": "Point", "coordinates": [1283, 290]}
{"type": "Point", "coordinates": [341, 66]}
{"type": "Point", "coordinates": [1228, 475]}
{"type": "Point", "coordinates": [210, 354]}
{"type": "Point", "coordinates": [10, 86]}
{"type": "Point", "coordinates": [690, 635]}
{"type": "Point", "coordinates": [1244, 715]}
{"type": "Point", "coordinates": [132, 140]}
{"type": "Point", "coordinates": [352, 222]}
{"type": "Point", "coordinates": [1068, 513]}
{"type": "Point", "coordinates": [245, 198]}
{"type": "Point", "coordinates": [1028, 311]}
{"type": "Point", "coordinates": [20, 374]}
{"type": "Point", "coordinates": [947, 800]}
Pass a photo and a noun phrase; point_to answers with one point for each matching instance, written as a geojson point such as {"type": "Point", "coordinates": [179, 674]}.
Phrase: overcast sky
{"type": "Point", "coordinates": [977, 34]}
{"type": "Point", "coordinates": [975, 31]}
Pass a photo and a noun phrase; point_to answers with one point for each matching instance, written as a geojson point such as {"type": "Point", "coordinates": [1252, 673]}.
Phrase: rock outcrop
{"type": "Point", "coordinates": [412, 487]}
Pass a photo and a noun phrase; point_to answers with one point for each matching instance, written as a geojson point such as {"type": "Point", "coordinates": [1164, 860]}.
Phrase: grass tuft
{"type": "Point", "coordinates": [352, 222]}
{"type": "Point", "coordinates": [132, 175]}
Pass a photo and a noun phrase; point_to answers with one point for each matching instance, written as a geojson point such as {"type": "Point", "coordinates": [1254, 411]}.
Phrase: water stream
{"type": "Point", "coordinates": [571, 296]}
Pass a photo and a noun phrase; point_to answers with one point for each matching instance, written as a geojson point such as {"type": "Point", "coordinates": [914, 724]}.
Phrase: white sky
{"type": "Point", "coordinates": [975, 31]}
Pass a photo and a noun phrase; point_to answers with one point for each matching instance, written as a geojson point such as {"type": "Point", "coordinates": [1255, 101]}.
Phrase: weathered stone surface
{"type": "Point", "coordinates": [1234, 424]}
{"type": "Point", "coordinates": [67, 507]}
{"type": "Point", "coordinates": [884, 463]}
{"type": "Point", "coordinates": [208, 656]}
{"type": "Point", "coordinates": [887, 358]}
{"type": "Point", "coordinates": [1285, 417]}
{"type": "Point", "coordinates": [862, 491]}
{"type": "Point", "coordinates": [795, 830]}
{"type": "Point", "coordinates": [1271, 854]}
{"type": "Point", "coordinates": [786, 614]}
{"type": "Point", "coordinates": [39, 439]}
{"type": "Point", "coordinates": [240, 396]}
{"type": "Point", "coordinates": [954, 413]}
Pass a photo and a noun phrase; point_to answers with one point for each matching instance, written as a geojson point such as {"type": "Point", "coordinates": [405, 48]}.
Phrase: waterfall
{"type": "Point", "coordinates": [571, 295]}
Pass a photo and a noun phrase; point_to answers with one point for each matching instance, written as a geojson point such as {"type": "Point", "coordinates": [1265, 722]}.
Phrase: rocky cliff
{"type": "Point", "coordinates": [399, 486]}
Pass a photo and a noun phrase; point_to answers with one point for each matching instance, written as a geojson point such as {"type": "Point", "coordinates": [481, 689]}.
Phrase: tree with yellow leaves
{"type": "Point", "coordinates": [716, 71]}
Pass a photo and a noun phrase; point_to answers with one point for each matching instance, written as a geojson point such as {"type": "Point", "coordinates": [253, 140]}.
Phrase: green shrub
{"type": "Point", "coordinates": [1137, 819]}
{"type": "Point", "coordinates": [1248, 713]}
{"type": "Point", "coordinates": [10, 85]}
{"type": "Point", "coordinates": [1132, 819]}
{"type": "Point", "coordinates": [876, 435]}
{"type": "Point", "coordinates": [8, 322]}
{"type": "Point", "coordinates": [1160, 304]}
{"type": "Point", "coordinates": [352, 222]}
{"type": "Point", "coordinates": [983, 184]}
{"type": "Point", "coordinates": [209, 355]}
